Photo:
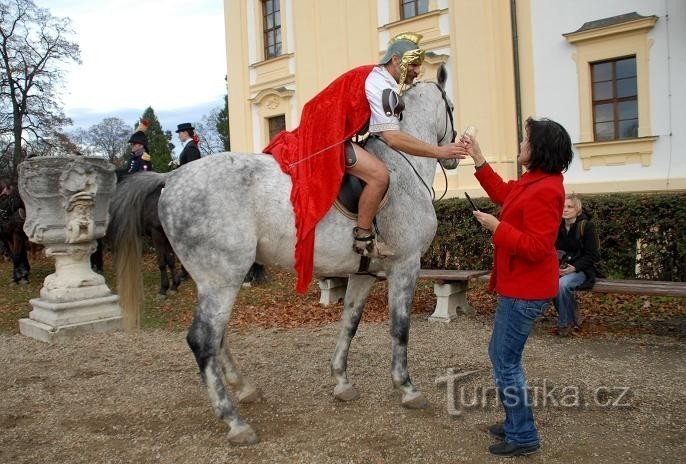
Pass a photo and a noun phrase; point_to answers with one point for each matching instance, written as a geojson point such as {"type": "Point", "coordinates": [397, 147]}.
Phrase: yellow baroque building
{"type": "Point", "coordinates": [607, 71]}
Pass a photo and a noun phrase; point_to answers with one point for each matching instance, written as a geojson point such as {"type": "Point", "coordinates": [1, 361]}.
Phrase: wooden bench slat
{"type": "Point", "coordinates": [640, 287]}
{"type": "Point", "coordinates": [449, 275]}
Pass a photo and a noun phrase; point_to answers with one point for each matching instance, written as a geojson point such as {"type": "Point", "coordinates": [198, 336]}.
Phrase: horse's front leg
{"type": "Point", "coordinates": [175, 278]}
{"type": "Point", "coordinates": [20, 260]}
{"type": "Point", "coordinates": [401, 288]}
{"type": "Point", "coordinates": [160, 253]}
{"type": "Point", "coordinates": [355, 299]}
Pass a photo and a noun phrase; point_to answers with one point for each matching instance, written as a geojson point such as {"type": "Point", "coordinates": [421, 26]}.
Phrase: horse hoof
{"type": "Point", "coordinates": [242, 435]}
{"type": "Point", "coordinates": [251, 395]}
{"type": "Point", "coordinates": [345, 392]}
{"type": "Point", "coordinates": [171, 292]}
{"type": "Point", "coordinates": [415, 400]}
{"type": "Point", "coordinates": [23, 282]}
{"type": "Point", "coordinates": [161, 296]}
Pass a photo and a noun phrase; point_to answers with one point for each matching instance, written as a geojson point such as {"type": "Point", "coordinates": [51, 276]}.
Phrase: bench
{"type": "Point", "coordinates": [450, 288]}
{"type": "Point", "coordinates": [632, 287]}
{"type": "Point", "coordinates": [640, 287]}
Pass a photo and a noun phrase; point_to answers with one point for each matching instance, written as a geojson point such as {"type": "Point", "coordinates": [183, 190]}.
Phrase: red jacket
{"type": "Point", "coordinates": [525, 262]}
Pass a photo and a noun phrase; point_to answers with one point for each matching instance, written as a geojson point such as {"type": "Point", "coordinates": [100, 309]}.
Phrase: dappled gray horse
{"type": "Point", "coordinates": [225, 211]}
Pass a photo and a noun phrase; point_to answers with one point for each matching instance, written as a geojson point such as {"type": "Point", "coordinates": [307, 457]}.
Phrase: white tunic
{"type": "Point", "coordinates": [378, 81]}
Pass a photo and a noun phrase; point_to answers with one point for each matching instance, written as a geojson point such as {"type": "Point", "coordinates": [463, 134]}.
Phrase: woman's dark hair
{"type": "Point", "coordinates": [551, 147]}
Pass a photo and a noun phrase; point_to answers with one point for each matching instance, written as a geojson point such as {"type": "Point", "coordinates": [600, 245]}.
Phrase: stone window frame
{"type": "Point", "coordinates": [605, 43]}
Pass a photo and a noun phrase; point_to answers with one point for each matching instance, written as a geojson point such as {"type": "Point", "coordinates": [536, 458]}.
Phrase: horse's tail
{"type": "Point", "coordinates": [125, 235]}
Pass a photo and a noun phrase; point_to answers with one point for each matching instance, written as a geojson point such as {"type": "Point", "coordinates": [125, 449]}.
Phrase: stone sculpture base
{"type": "Point", "coordinates": [51, 322]}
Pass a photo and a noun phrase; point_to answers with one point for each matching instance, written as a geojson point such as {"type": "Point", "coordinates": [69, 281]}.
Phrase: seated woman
{"type": "Point", "coordinates": [577, 245]}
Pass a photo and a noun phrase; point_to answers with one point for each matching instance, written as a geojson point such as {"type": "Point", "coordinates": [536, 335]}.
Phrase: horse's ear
{"type": "Point", "coordinates": [442, 75]}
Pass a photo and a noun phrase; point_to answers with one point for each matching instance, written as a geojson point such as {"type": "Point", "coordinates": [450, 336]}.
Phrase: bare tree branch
{"type": "Point", "coordinates": [33, 44]}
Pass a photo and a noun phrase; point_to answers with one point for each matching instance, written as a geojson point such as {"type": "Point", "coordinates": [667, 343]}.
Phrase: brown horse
{"type": "Point", "coordinates": [12, 236]}
{"type": "Point", "coordinates": [147, 225]}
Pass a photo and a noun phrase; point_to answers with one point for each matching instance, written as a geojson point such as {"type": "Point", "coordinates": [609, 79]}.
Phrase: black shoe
{"type": "Point", "coordinates": [497, 430]}
{"type": "Point", "coordinates": [507, 450]}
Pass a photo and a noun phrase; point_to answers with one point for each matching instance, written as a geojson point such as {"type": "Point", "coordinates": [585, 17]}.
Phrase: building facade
{"type": "Point", "coordinates": [608, 71]}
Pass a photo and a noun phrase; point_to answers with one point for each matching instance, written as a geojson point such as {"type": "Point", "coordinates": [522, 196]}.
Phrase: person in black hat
{"type": "Point", "coordinates": [190, 151]}
{"type": "Point", "coordinates": [140, 159]}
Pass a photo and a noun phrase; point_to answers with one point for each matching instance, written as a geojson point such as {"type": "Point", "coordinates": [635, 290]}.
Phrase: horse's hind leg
{"type": "Point", "coordinates": [245, 391]}
{"type": "Point", "coordinates": [401, 288]}
{"type": "Point", "coordinates": [355, 299]}
{"type": "Point", "coordinates": [205, 339]}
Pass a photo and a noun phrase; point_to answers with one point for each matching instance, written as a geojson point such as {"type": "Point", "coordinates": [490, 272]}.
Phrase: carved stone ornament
{"type": "Point", "coordinates": [272, 103]}
{"type": "Point", "coordinates": [67, 202]}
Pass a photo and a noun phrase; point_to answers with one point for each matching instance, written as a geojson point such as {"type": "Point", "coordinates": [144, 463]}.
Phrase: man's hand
{"type": "Point", "coordinates": [568, 269]}
{"type": "Point", "coordinates": [450, 151]}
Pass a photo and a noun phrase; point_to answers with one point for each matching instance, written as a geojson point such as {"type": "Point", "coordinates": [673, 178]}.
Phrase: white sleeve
{"type": "Point", "coordinates": [374, 87]}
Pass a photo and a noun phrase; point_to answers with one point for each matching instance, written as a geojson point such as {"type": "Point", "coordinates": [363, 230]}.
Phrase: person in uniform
{"type": "Point", "coordinates": [320, 150]}
{"type": "Point", "coordinates": [139, 159]}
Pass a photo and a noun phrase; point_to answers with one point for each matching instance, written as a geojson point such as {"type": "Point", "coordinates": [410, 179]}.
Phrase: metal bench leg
{"type": "Point", "coordinates": [449, 298]}
{"type": "Point", "coordinates": [332, 290]}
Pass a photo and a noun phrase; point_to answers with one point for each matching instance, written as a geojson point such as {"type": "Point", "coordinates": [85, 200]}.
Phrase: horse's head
{"type": "Point", "coordinates": [10, 201]}
{"type": "Point", "coordinates": [429, 114]}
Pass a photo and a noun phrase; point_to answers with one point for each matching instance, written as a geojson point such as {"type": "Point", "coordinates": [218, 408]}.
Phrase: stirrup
{"type": "Point", "coordinates": [366, 244]}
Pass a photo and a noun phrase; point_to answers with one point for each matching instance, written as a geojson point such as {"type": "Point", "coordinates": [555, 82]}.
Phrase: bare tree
{"type": "Point", "coordinates": [33, 44]}
{"type": "Point", "coordinates": [213, 130]}
{"type": "Point", "coordinates": [108, 138]}
{"type": "Point", "coordinates": [206, 131]}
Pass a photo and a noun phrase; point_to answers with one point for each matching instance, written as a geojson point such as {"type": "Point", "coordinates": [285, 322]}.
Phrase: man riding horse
{"type": "Point", "coordinates": [320, 150]}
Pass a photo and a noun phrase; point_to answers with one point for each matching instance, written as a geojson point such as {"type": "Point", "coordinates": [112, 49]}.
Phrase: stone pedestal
{"type": "Point", "coordinates": [332, 290]}
{"type": "Point", "coordinates": [67, 202]}
{"type": "Point", "coordinates": [450, 297]}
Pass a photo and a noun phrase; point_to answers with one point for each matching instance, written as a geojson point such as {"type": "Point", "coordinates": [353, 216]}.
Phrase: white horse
{"type": "Point", "coordinates": [226, 211]}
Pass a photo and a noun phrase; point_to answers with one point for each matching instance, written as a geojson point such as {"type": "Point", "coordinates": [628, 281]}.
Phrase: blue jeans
{"type": "Point", "coordinates": [565, 301]}
{"type": "Point", "coordinates": [514, 319]}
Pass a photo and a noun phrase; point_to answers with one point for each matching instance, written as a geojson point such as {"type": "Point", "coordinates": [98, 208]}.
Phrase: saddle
{"type": "Point", "coordinates": [349, 196]}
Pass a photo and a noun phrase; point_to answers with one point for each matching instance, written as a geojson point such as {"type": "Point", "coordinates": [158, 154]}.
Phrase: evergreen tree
{"type": "Point", "coordinates": [158, 143]}
{"type": "Point", "coordinates": [222, 125]}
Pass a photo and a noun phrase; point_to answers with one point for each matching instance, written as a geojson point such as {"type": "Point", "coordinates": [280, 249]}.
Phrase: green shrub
{"type": "Point", "coordinates": [637, 232]}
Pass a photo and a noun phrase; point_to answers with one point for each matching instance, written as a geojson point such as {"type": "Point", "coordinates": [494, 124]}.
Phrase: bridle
{"type": "Point", "coordinates": [453, 136]}
{"type": "Point", "coordinates": [449, 121]}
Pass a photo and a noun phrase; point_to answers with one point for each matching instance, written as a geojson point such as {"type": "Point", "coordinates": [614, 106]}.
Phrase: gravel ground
{"type": "Point", "coordinates": [124, 398]}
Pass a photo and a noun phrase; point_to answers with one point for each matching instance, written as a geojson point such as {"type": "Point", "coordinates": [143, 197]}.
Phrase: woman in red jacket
{"type": "Point", "coordinates": [525, 271]}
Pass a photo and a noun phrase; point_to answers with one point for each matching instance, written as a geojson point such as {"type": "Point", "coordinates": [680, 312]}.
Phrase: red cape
{"type": "Point", "coordinates": [313, 155]}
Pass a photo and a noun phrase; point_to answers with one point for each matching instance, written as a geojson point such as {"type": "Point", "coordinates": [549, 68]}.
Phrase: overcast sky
{"type": "Point", "coordinates": [168, 54]}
